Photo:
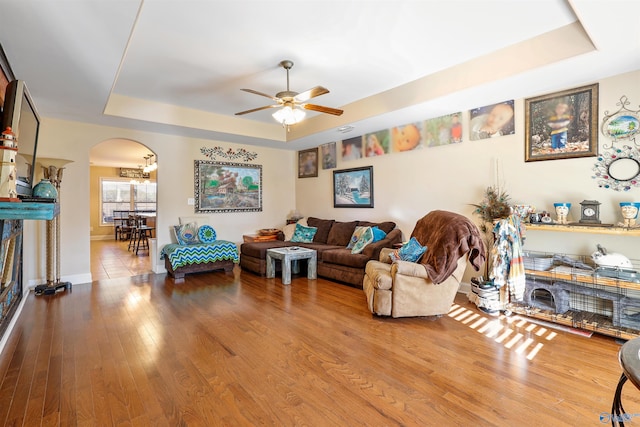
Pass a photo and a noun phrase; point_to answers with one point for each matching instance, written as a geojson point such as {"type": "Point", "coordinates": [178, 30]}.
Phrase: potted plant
{"type": "Point", "coordinates": [494, 206]}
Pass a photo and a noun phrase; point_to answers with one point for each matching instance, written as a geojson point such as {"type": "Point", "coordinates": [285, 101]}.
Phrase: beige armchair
{"type": "Point", "coordinates": [428, 287]}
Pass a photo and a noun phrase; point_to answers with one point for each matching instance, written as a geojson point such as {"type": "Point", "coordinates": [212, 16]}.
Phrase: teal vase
{"type": "Point", "coordinates": [45, 189]}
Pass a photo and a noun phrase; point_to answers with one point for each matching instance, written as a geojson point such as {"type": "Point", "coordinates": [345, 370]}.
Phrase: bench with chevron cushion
{"type": "Point", "coordinates": [183, 259]}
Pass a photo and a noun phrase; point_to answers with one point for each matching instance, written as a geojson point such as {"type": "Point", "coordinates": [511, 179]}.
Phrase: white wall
{"type": "Point", "coordinates": [176, 155]}
{"type": "Point", "coordinates": [408, 185]}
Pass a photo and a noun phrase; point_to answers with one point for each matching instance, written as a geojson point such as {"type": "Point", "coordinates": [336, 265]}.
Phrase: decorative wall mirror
{"type": "Point", "coordinates": [619, 168]}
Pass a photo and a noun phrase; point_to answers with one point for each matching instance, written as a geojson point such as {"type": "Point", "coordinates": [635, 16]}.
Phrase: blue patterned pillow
{"type": "Point", "coordinates": [378, 234]}
{"type": "Point", "coordinates": [187, 234]}
{"type": "Point", "coordinates": [304, 234]}
{"type": "Point", "coordinates": [365, 238]}
{"type": "Point", "coordinates": [410, 251]}
{"type": "Point", "coordinates": [355, 236]}
{"type": "Point", "coordinates": [206, 234]}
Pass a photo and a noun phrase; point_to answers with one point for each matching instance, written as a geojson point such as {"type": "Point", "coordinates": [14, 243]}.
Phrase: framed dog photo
{"type": "Point", "coordinates": [562, 125]}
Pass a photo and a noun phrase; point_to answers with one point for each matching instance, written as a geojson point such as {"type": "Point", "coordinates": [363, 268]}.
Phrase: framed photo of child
{"type": "Point", "coordinates": [562, 125]}
{"type": "Point", "coordinates": [308, 163]}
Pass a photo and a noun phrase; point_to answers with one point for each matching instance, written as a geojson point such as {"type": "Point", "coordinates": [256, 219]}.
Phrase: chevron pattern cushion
{"type": "Point", "coordinates": [201, 253]}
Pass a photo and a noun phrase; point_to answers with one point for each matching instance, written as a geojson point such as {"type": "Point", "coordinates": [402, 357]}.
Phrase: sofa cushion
{"type": "Point", "coordinates": [323, 226]}
{"type": "Point", "coordinates": [259, 249]}
{"type": "Point", "coordinates": [288, 231]}
{"type": "Point", "coordinates": [318, 247]}
{"type": "Point", "coordinates": [386, 226]}
{"type": "Point", "coordinates": [343, 256]}
{"type": "Point", "coordinates": [341, 233]}
{"type": "Point", "coordinates": [303, 234]}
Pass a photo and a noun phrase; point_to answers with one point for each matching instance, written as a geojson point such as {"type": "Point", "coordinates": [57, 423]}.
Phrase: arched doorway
{"type": "Point", "coordinates": [120, 186]}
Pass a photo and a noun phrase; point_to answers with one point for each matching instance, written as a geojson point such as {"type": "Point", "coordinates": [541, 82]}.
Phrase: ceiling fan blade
{"type": "Point", "coordinates": [322, 109]}
{"type": "Point", "coordinates": [311, 93]}
{"type": "Point", "coordinates": [260, 93]}
{"type": "Point", "coordinates": [257, 109]}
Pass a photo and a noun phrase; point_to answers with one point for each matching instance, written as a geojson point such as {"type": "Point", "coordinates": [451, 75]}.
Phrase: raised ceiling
{"type": "Point", "coordinates": [177, 66]}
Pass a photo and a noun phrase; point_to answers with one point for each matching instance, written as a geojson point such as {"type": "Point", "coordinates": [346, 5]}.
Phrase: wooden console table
{"type": "Point", "coordinates": [12, 215]}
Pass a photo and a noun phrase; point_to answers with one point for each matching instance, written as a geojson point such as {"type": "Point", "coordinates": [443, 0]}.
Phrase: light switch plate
{"type": "Point", "coordinates": [191, 201]}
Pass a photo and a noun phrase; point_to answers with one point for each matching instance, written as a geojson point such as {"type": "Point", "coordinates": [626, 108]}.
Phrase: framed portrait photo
{"type": "Point", "coordinates": [308, 163]}
{"type": "Point", "coordinates": [562, 125]}
{"type": "Point", "coordinates": [353, 188]}
{"type": "Point", "coordinates": [328, 152]}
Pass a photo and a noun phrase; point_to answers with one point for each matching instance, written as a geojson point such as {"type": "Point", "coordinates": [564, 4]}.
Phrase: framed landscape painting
{"type": "Point", "coordinates": [227, 187]}
{"type": "Point", "coordinates": [562, 125]}
{"type": "Point", "coordinates": [353, 188]}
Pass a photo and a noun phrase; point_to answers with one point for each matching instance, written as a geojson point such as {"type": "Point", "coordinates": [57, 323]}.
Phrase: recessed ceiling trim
{"type": "Point", "coordinates": [157, 112]}
{"type": "Point", "coordinates": [546, 49]}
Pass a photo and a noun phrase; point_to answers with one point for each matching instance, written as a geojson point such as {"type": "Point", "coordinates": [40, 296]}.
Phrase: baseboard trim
{"type": "Point", "coordinates": [464, 288]}
{"type": "Point", "coordinates": [102, 237]}
{"type": "Point", "coordinates": [14, 319]}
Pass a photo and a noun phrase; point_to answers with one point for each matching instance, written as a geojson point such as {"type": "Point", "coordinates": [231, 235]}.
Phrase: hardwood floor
{"type": "Point", "coordinates": [233, 349]}
{"type": "Point", "coordinates": [110, 259]}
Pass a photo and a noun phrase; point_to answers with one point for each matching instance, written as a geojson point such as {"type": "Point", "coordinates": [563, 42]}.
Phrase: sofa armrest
{"type": "Point", "coordinates": [407, 268]}
{"type": "Point", "coordinates": [385, 255]}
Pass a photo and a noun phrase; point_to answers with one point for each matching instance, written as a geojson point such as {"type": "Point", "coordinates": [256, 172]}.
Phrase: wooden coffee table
{"type": "Point", "coordinates": [288, 256]}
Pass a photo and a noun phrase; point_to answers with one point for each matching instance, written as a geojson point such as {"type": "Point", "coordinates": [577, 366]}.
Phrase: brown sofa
{"type": "Point", "coordinates": [335, 261]}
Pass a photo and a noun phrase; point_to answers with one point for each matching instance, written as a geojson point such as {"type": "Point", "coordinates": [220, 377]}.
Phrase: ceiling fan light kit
{"type": "Point", "coordinates": [293, 103]}
{"type": "Point", "coordinates": [289, 116]}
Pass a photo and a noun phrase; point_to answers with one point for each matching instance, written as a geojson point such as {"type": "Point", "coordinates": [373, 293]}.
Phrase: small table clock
{"type": "Point", "coordinates": [590, 212]}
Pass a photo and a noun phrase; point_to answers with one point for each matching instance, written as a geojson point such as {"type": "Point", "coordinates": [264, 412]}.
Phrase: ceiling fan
{"type": "Point", "coordinates": [292, 102]}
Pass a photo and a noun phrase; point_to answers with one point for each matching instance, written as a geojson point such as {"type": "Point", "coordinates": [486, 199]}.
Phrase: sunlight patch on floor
{"type": "Point", "coordinates": [513, 332]}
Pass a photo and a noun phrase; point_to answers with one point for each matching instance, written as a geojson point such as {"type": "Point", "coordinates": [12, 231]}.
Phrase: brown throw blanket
{"type": "Point", "coordinates": [448, 236]}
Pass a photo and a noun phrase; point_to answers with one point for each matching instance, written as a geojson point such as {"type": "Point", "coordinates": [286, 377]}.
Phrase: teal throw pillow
{"type": "Point", "coordinates": [355, 236]}
{"type": "Point", "coordinates": [206, 234]}
{"type": "Point", "coordinates": [304, 234]}
{"type": "Point", "coordinates": [187, 234]}
{"type": "Point", "coordinates": [378, 234]}
{"type": "Point", "coordinates": [363, 241]}
{"type": "Point", "coordinates": [410, 251]}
